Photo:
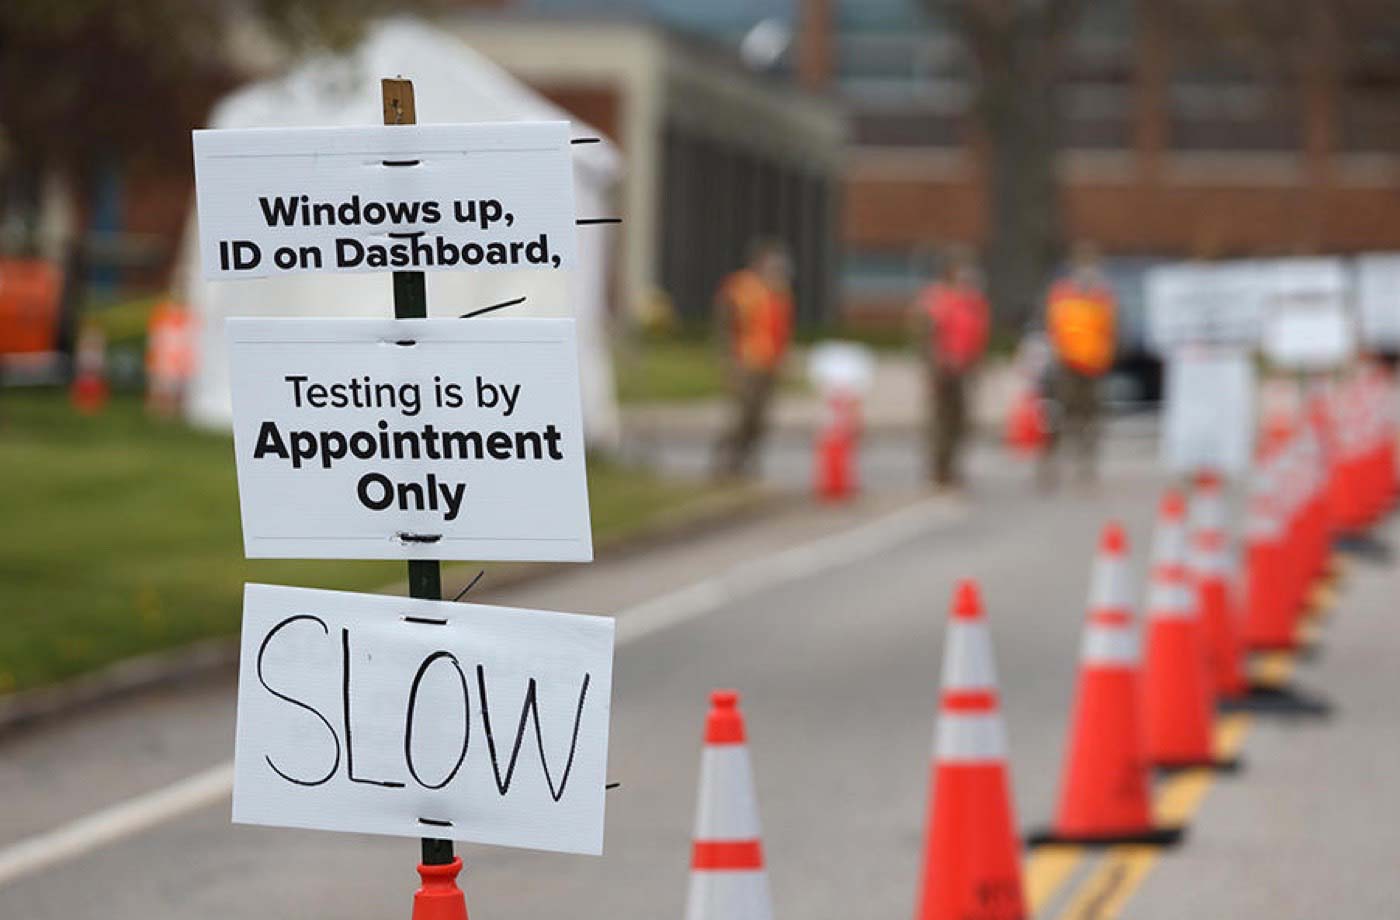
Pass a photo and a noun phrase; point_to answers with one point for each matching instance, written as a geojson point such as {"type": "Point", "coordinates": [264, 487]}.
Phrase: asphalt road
{"type": "Point", "coordinates": [829, 622]}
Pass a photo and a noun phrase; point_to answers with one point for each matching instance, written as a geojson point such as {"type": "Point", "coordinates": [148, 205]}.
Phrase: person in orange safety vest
{"type": "Point", "coordinates": [754, 308]}
{"type": "Point", "coordinates": [1081, 321]}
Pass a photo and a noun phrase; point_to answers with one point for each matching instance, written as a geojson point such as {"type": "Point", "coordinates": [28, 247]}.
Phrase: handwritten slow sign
{"type": "Point", "coordinates": [386, 715]}
{"type": "Point", "coordinates": [276, 201]}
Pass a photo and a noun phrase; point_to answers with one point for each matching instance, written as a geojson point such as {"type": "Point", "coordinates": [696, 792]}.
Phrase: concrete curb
{"type": "Point", "coordinates": [211, 658]}
{"type": "Point", "coordinates": [119, 680]}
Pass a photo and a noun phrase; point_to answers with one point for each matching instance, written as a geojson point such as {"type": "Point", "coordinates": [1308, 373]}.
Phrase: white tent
{"type": "Point", "coordinates": [452, 83]}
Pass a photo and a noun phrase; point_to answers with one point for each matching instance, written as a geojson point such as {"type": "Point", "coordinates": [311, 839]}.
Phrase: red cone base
{"type": "Point", "coordinates": [1177, 701]}
{"type": "Point", "coordinates": [972, 868]}
{"type": "Point", "coordinates": [835, 471]}
{"type": "Point", "coordinates": [1222, 640]}
{"type": "Point", "coordinates": [440, 898]}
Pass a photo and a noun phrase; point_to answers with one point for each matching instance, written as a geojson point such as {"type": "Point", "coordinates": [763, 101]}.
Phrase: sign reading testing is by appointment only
{"type": "Point", "coordinates": [385, 198]}
{"type": "Point", "coordinates": [386, 715]}
{"type": "Point", "coordinates": [409, 439]}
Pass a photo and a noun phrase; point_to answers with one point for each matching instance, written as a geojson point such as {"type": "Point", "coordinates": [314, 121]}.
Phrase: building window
{"type": "Point", "coordinates": [1369, 97]}
{"type": "Point", "coordinates": [1226, 106]}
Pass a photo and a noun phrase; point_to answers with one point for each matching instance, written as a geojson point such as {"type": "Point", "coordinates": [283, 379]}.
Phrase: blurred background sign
{"type": "Point", "coordinates": [1202, 303]}
{"type": "Point", "coordinates": [1209, 423]}
{"type": "Point", "coordinates": [841, 367]}
{"type": "Point", "coordinates": [1308, 321]}
{"type": "Point", "coordinates": [1378, 300]}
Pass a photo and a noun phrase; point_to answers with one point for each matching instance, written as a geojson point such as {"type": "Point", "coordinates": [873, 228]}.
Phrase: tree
{"type": "Point", "coordinates": [1018, 46]}
{"type": "Point", "coordinates": [91, 83]}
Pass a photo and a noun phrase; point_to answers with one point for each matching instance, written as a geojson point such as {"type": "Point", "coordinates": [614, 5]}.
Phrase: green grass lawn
{"type": "Point", "coordinates": [121, 536]}
{"type": "Point", "coordinates": [669, 370]}
{"type": "Point", "coordinates": [682, 369]}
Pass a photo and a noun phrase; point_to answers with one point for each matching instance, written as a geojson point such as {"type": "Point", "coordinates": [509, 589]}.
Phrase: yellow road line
{"type": "Point", "coordinates": [1321, 600]}
{"type": "Point", "coordinates": [1309, 633]}
{"type": "Point", "coordinates": [1181, 795]}
{"type": "Point", "coordinates": [1109, 886]}
{"type": "Point", "coordinates": [1273, 669]}
{"type": "Point", "coordinates": [1229, 735]}
{"type": "Point", "coordinates": [1046, 869]}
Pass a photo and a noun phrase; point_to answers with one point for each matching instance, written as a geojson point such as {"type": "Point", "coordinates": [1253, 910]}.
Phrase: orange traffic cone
{"type": "Point", "coordinates": [836, 448]}
{"type": "Point", "coordinates": [1270, 620]}
{"type": "Point", "coordinates": [972, 865]}
{"type": "Point", "coordinates": [1176, 686]}
{"type": "Point", "coordinates": [727, 877]}
{"type": "Point", "coordinates": [1389, 434]}
{"type": "Point", "coordinates": [89, 390]}
{"type": "Point", "coordinates": [440, 898]}
{"type": "Point", "coordinates": [1309, 532]}
{"type": "Point", "coordinates": [1104, 796]}
{"type": "Point", "coordinates": [1376, 452]}
{"type": "Point", "coordinates": [1212, 571]}
{"type": "Point", "coordinates": [1027, 433]}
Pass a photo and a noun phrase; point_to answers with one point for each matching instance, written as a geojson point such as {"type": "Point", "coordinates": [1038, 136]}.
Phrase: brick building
{"type": "Point", "coordinates": [716, 155]}
{"type": "Point", "coordinates": [1189, 127]}
{"type": "Point", "coordinates": [1181, 137]}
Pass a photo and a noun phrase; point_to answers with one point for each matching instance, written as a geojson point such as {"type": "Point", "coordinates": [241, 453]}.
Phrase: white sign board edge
{"type": "Point", "coordinates": [1209, 417]}
{"type": "Point", "coordinates": [1304, 336]}
{"type": "Point", "coordinates": [424, 197]}
{"type": "Point", "coordinates": [1378, 298]}
{"type": "Point", "coordinates": [1308, 325]}
{"type": "Point", "coordinates": [314, 481]}
{"type": "Point", "coordinates": [388, 690]}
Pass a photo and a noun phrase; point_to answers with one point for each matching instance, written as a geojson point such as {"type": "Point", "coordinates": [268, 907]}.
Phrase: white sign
{"type": "Point", "coordinates": [408, 197]}
{"type": "Point", "coordinates": [1193, 303]}
{"type": "Point", "coordinates": [1209, 422]}
{"type": "Point", "coordinates": [841, 367]}
{"type": "Point", "coordinates": [409, 439]}
{"type": "Point", "coordinates": [1307, 323]}
{"type": "Point", "coordinates": [387, 715]}
{"type": "Point", "coordinates": [1378, 299]}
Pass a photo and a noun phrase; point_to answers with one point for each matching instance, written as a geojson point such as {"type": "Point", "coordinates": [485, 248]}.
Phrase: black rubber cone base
{"type": "Point", "coordinates": [1309, 651]}
{"type": "Point", "coordinates": [1279, 699]}
{"type": "Point", "coordinates": [1365, 546]}
{"type": "Point", "coordinates": [1218, 765]}
{"type": "Point", "coordinates": [1151, 837]}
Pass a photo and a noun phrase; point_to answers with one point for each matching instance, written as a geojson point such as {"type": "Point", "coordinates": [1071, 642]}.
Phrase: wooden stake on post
{"type": "Point", "coordinates": [411, 302]}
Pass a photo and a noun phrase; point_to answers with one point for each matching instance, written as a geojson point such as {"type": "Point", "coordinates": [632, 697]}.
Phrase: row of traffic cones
{"type": "Point", "coordinates": [1131, 712]}
{"type": "Point", "coordinates": [1363, 442]}
{"type": "Point", "coordinates": [1328, 470]}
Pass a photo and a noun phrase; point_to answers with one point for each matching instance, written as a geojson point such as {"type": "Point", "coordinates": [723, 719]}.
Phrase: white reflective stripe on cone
{"type": "Point", "coordinates": [1170, 600]}
{"type": "Point", "coordinates": [1263, 527]}
{"type": "Point", "coordinates": [1213, 562]}
{"type": "Point", "coordinates": [967, 657]}
{"type": "Point", "coordinates": [1169, 545]}
{"type": "Point", "coordinates": [1109, 645]}
{"type": "Point", "coordinates": [969, 738]}
{"type": "Point", "coordinates": [1111, 586]}
{"type": "Point", "coordinates": [1207, 511]}
{"type": "Point", "coordinates": [727, 808]}
{"type": "Point", "coordinates": [729, 895]}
